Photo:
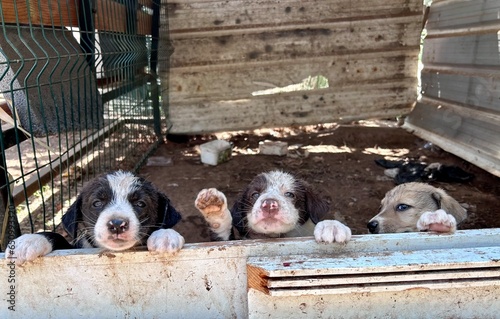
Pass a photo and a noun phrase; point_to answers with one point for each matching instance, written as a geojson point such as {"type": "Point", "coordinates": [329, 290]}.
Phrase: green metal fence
{"type": "Point", "coordinates": [79, 97]}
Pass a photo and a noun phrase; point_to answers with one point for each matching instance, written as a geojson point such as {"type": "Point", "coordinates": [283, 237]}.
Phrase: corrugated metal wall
{"type": "Point", "coordinates": [226, 50]}
{"type": "Point", "coordinates": [460, 105]}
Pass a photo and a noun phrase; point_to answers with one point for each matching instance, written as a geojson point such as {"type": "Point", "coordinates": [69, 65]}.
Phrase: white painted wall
{"type": "Point", "coordinates": [209, 280]}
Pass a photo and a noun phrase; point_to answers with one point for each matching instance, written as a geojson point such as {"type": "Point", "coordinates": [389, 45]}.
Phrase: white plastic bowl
{"type": "Point", "coordinates": [215, 152]}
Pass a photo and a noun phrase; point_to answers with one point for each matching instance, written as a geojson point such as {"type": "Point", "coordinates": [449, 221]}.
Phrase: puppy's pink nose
{"type": "Point", "coordinates": [270, 206]}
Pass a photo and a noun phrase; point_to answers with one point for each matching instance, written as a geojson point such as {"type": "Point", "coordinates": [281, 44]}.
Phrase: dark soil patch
{"type": "Point", "coordinates": [337, 160]}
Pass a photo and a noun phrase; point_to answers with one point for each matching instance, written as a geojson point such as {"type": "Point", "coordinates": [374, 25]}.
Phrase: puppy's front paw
{"type": "Point", "coordinates": [210, 202]}
{"type": "Point", "coordinates": [27, 248]}
{"type": "Point", "coordinates": [328, 231]}
{"type": "Point", "coordinates": [438, 221]}
{"type": "Point", "coordinates": [165, 241]}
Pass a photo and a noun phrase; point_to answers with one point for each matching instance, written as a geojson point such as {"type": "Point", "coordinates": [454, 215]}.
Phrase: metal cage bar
{"type": "Point", "coordinates": [79, 96]}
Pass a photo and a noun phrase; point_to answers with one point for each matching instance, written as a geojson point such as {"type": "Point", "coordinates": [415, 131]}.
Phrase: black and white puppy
{"type": "Point", "coordinates": [116, 211]}
{"type": "Point", "coordinates": [274, 204]}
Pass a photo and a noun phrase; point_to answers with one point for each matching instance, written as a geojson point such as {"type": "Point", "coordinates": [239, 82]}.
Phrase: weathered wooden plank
{"type": "Point", "coordinates": [312, 24]}
{"type": "Point", "coordinates": [378, 100]}
{"type": "Point", "coordinates": [111, 16]}
{"type": "Point", "coordinates": [147, 3]}
{"type": "Point", "coordinates": [239, 81]}
{"type": "Point", "coordinates": [346, 38]}
{"type": "Point", "coordinates": [189, 16]}
{"type": "Point", "coordinates": [225, 52]}
{"type": "Point", "coordinates": [57, 13]}
{"type": "Point", "coordinates": [144, 23]}
{"type": "Point", "coordinates": [64, 13]}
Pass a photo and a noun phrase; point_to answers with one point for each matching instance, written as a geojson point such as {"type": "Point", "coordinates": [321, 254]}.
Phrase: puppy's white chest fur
{"type": "Point", "coordinates": [307, 229]}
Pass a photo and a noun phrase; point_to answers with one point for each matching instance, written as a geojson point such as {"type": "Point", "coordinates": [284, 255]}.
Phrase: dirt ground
{"type": "Point", "coordinates": [337, 160]}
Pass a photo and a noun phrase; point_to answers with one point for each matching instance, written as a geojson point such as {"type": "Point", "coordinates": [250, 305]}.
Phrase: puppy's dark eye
{"type": "Point", "coordinates": [255, 195]}
{"type": "Point", "coordinates": [97, 204]}
{"type": "Point", "coordinates": [290, 195]}
{"type": "Point", "coordinates": [140, 204]}
{"type": "Point", "coordinates": [402, 207]}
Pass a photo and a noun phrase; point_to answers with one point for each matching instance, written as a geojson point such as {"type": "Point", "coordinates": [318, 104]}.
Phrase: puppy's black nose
{"type": "Point", "coordinates": [117, 226]}
{"type": "Point", "coordinates": [373, 226]}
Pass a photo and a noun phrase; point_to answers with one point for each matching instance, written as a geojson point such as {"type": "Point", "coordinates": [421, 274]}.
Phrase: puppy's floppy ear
{"type": "Point", "coordinates": [167, 215]}
{"type": "Point", "coordinates": [450, 205]}
{"type": "Point", "coordinates": [317, 207]}
{"type": "Point", "coordinates": [72, 216]}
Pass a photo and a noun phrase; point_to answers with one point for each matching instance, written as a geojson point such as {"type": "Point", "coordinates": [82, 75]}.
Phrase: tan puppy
{"type": "Point", "coordinates": [415, 207]}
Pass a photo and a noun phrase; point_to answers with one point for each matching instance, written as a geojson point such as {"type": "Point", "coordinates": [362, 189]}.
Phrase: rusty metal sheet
{"type": "Point", "coordinates": [460, 104]}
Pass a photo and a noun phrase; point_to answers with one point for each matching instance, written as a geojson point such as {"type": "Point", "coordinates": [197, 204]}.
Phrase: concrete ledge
{"type": "Point", "coordinates": [209, 280]}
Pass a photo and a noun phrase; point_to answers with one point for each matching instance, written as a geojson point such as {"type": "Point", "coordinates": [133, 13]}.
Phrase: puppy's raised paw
{"type": "Point", "coordinates": [438, 221]}
{"type": "Point", "coordinates": [27, 248]}
{"type": "Point", "coordinates": [328, 231]}
{"type": "Point", "coordinates": [211, 202]}
{"type": "Point", "coordinates": [165, 241]}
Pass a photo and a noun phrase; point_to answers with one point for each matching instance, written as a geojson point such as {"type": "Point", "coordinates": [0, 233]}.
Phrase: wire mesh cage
{"type": "Point", "coordinates": [79, 96]}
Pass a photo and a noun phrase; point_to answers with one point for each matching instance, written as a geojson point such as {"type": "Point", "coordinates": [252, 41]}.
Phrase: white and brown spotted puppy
{"type": "Point", "coordinates": [116, 211]}
{"type": "Point", "coordinates": [415, 207]}
{"type": "Point", "coordinates": [274, 204]}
